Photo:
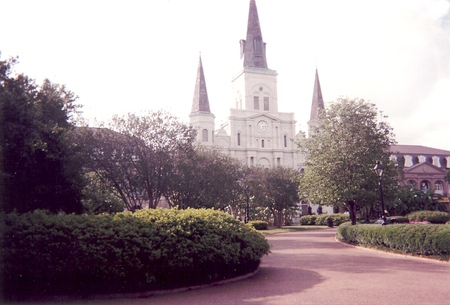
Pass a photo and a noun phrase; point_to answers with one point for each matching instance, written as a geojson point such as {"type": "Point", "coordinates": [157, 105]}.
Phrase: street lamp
{"type": "Point", "coordinates": [378, 169]}
{"type": "Point", "coordinates": [247, 190]}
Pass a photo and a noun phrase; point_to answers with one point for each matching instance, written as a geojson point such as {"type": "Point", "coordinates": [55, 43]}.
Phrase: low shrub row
{"type": "Point", "coordinates": [259, 224]}
{"type": "Point", "coordinates": [321, 220]}
{"type": "Point", "coordinates": [149, 249]}
{"type": "Point", "coordinates": [430, 216]}
{"type": "Point", "coordinates": [428, 240]}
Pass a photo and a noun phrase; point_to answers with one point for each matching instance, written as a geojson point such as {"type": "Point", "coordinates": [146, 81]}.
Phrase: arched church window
{"type": "Point", "coordinates": [262, 143]}
{"type": "Point", "coordinates": [285, 141]}
{"type": "Point", "coordinates": [205, 135]}
{"type": "Point", "coordinates": [239, 139]}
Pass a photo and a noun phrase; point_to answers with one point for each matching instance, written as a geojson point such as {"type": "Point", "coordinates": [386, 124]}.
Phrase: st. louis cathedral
{"type": "Point", "coordinates": [255, 132]}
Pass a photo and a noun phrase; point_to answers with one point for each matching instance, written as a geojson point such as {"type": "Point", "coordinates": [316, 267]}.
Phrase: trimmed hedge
{"type": "Point", "coordinates": [397, 219]}
{"type": "Point", "coordinates": [259, 224]}
{"type": "Point", "coordinates": [428, 240]}
{"type": "Point", "coordinates": [146, 250]}
{"type": "Point", "coordinates": [321, 220]}
{"type": "Point", "coordinates": [430, 216]}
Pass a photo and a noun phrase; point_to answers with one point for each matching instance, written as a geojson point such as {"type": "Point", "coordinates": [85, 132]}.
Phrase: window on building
{"type": "Point", "coordinates": [239, 139]}
{"type": "Point", "coordinates": [436, 161]}
{"type": "Point", "coordinates": [262, 143]}
{"type": "Point", "coordinates": [279, 161]}
{"type": "Point", "coordinates": [412, 183]}
{"type": "Point", "coordinates": [266, 103]}
{"type": "Point", "coordinates": [205, 135]}
{"type": "Point", "coordinates": [252, 161]}
{"type": "Point", "coordinates": [424, 185]}
{"type": "Point", "coordinates": [439, 188]}
{"type": "Point", "coordinates": [285, 141]}
{"type": "Point", "coordinates": [256, 102]}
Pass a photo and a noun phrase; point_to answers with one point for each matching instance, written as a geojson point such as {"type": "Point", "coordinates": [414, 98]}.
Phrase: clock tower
{"type": "Point", "coordinates": [256, 132]}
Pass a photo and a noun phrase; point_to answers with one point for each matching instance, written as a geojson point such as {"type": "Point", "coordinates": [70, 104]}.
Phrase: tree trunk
{"type": "Point", "coordinates": [351, 210]}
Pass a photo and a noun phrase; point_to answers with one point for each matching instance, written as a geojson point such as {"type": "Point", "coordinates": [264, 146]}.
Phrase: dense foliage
{"type": "Point", "coordinates": [275, 190]}
{"type": "Point", "coordinates": [340, 155]}
{"type": "Point", "coordinates": [40, 165]}
{"type": "Point", "coordinates": [429, 240]}
{"type": "Point", "coordinates": [410, 199]}
{"type": "Point", "coordinates": [259, 224]}
{"type": "Point", "coordinates": [321, 220]}
{"type": "Point", "coordinates": [430, 216]}
{"type": "Point", "coordinates": [148, 249]}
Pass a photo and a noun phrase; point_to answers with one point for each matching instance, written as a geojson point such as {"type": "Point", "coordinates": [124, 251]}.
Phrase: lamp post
{"type": "Point", "coordinates": [247, 206]}
{"type": "Point", "coordinates": [378, 169]}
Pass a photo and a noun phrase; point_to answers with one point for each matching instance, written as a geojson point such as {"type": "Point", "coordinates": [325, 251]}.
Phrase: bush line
{"type": "Point", "coordinates": [424, 240]}
{"type": "Point", "coordinates": [146, 250]}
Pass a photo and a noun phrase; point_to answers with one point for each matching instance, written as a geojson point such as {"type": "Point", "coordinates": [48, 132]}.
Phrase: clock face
{"type": "Point", "coordinates": [262, 126]}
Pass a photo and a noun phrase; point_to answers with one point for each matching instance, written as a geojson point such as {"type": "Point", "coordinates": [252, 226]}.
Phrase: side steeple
{"type": "Point", "coordinates": [201, 117]}
{"type": "Point", "coordinates": [200, 103]}
{"type": "Point", "coordinates": [317, 104]}
{"type": "Point", "coordinates": [253, 49]}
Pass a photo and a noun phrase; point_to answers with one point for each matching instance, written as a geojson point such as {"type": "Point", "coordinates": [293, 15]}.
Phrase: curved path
{"type": "Point", "coordinates": [310, 267]}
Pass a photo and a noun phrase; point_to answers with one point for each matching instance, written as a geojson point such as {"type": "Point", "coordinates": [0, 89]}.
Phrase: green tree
{"type": "Point", "coordinates": [275, 189]}
{"type": "Point", "coordinates": [41, 168]}
{"type": "Point", "coordinates": [207, 178]}
{"type": "Point", "coordinates": [410, 199]}
{"type": "Point", "coordinates": [137, 154]}
{"type": "Point", "coordinates": [341, 154]}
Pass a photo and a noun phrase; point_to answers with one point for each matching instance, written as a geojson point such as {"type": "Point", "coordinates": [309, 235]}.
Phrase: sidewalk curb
{"type": "Point", "coordinates": [147, 294]}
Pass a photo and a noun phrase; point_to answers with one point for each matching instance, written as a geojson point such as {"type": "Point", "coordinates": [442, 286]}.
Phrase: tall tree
{"type": "Point", "coordinates": [40, 165]}
{"type": "Point", "coordinates": [207, 178]}
{"type": "Point", "coordinates": [137, 155]}
{"type": "Point", "coordinates": [275, 189]}
{"type": "Point", "coordinates": [341, 154]}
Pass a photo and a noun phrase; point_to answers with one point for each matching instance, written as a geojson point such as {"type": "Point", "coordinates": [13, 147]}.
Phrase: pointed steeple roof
{"type": "Point", "coordinates": [253, 49]}
{"type": "Point", "coordinates": [200, 103]}
{"type": "Point", "coordinates": [317, 100]}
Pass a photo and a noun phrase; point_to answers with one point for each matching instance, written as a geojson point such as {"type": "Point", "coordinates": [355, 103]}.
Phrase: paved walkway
{"type": "Point", "coordinates": [310, 267]}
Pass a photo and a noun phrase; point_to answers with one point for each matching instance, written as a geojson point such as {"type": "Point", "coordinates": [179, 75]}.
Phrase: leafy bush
{"type": "Point", "coordinates": [259, 224]}
{"type": "Point", "coordinates": [321, 220]}
{"type": "Point", "coordinates": [430, 216]}
{"type": "Point", "coordinates": [308, 220]}
{"type": "Point", "coordinates": [150, 249]}
{"type": "Point", "coordinates": [431, 240]}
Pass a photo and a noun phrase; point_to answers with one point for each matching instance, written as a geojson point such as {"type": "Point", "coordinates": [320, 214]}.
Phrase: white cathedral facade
{"type": "Point", "coordinates": [255, 132]}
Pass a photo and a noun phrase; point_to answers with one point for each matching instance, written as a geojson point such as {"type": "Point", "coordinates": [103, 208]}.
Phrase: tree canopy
{"type": "Point", "coordinates": [275, 189]}
{"type": "Point", "coordinates": [340, 156]}
{"type": "Point", "coordinates": [40, 168]}
{"type": "Point", "coordinates": [137, 155]}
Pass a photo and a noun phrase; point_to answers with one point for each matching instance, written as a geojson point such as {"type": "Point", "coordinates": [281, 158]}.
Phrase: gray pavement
{"type": "Point", "coordinates": [310, 267]}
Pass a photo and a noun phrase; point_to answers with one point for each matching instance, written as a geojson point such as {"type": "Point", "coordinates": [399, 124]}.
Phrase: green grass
{"type": "Point", "coordinates": [274, 230]}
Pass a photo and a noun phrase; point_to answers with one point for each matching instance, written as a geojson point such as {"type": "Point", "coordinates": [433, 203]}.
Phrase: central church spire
{"type": "Point", "coordinates": [253, 49]}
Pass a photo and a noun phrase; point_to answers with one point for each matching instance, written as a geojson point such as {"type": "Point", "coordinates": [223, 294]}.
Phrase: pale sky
{"type": "Point", "coordinates": [127, 56]}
